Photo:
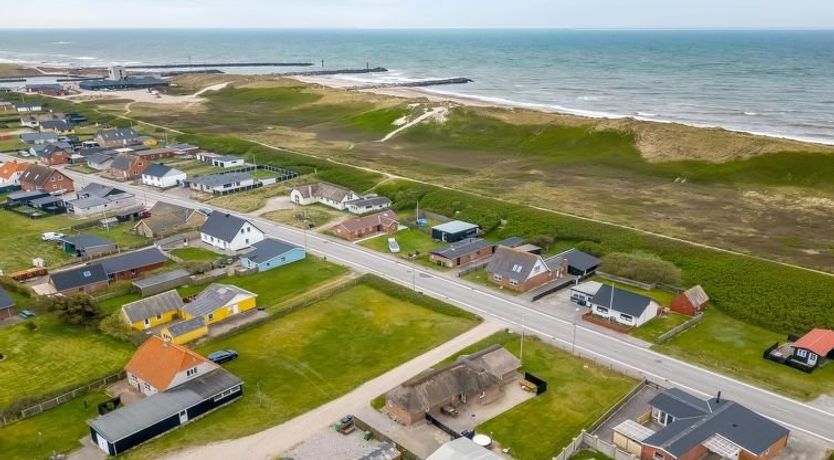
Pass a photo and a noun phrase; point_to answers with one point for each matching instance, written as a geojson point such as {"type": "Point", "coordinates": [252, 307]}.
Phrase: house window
{"type": "Point", "coordinates": [602, 310]}
{"type": "Point", "coordinates": [802, 353]}
{"type": "Point", "coordinates": [211, 316]}
{"type": "Point", "coordinates": [191, 372]}
{"type": "Point", "coordinates": [513, 282]}
{"type": "Point", "coordinates": [626, 318]}
{"type": "Point", "coordinates": [497, 277]}
{"type": "Point", "coordinates": [147, 322]}
{"type": "Point", "coordinates": [658, 455]}
{"type": "Point", "coordinates": [158, 317]}
{"type": "Point", "coordinates": [147, 387]}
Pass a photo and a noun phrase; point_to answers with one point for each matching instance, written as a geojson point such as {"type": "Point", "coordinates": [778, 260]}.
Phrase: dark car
{"type": "Point", "coordinates": [222, 356]}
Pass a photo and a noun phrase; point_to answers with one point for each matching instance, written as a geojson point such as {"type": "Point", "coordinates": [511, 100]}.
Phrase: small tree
{"type": "Point", "coordinates": [78, 309]}
{"type": "Point", "coordinates": [542, 241]}
{"type": "Point", "coordinates": [641, 266]}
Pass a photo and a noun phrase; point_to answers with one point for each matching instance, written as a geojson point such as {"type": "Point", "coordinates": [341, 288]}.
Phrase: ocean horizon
{"type": "Point", "coordinates": [771, 82]}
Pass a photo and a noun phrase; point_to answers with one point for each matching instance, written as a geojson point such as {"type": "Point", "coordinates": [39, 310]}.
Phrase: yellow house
{"type": "Point", "coordinates": [149, 141]}
{"type": "Point", "coordinates": [185, 331]}
{"type": "Point", "coordinates": [153, 311]}
{"type": "Point", "coordinates": [218, 302]}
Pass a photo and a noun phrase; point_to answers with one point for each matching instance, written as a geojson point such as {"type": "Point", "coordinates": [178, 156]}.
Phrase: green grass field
{"type": "Point", "coordinates": [298, 362]}
{"type": "Point", "coordinates": [410, 241]}
{"type": "Point", "coordinates": [282, 283]}
{"type": "Point", "coordinates": [735, 348]}
{"type": "Point", "coordinates": [122, 234]}
{"type": "Point", "coordinates": [195, 254]}
{"type": "Point", "coordinates": [24, 243]}
{"type": "Point", "coordinates": [658, 326]}
{"type": "Point", "coordinates": [55, 431]}
{"type": "Point", "coordinates": [316, 215]}
{"type": "Point", "coordinates": [578, 393]}
{"type": "Point", "coordinates": [54, 357]}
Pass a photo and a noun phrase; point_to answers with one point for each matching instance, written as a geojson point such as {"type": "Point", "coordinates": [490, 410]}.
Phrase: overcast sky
{"type": "Point", "coordinates": [421, 13]}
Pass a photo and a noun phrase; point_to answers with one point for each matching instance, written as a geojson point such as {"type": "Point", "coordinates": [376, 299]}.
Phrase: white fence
{"type": "Point", "coordinates": [589, 441]}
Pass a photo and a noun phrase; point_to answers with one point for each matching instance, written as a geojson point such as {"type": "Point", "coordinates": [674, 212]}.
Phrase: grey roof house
{"type": "Point", "coordinates": [89, 278]}
{"type": "Point", "coordinates": [152, 310]}
{"type": "Point", "coordinates": [88, 245]}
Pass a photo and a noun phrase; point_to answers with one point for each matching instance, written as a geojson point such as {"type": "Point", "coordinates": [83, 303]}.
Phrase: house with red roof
{"type": "Point", "coordinates": [159, 365]}
{"type": "Point", "coordinates": [813, 348]}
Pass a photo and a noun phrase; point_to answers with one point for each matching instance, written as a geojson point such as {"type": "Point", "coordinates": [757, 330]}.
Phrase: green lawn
{"type": "Point", "coordinates": [589, 455]}
{"type": "Point", "coordinates": [21, 240]}
{"type": "Point", "coordinates": [578, 393]}
{"type": "Point", "coordinates": [298, 362]}
{"type": "Point", "coordinates": [195, 254]}
{"type": "Point", "coordinates": [57, 430]}
{"type": "Point", "coordinates": [658, 326]}
{"type": "Point", "coordinates": [122, 234]}
{"type": "Point", "coordinates": [411, 241]}
{"type": "Point", "coordinates": [282, 283]}
{"type": "Point", "coordinates": [54, 357]}
{"type": "Point", "coordinates": [299, 218]}
{"type": "Point", "coordinates": [12, 145]}
{"type": "Point", "coordinates": [735, 348]}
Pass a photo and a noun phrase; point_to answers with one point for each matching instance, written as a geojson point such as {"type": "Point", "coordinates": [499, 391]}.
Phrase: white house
{"type": "Point", "coordinates": [157, 175]}
{"type": "Point", "coordinates": [24, 107]}
{"type": "Point", "coordinates": [324, 193]}
{"type": "Point", "coordinates": [220, 161]}
{"type": "Point", "coordinates": [367, 204]}
{"type": "Point", "coordinates": [623, 307]}
{"type": "Point", "coordinates": [95, 199]}
{"type": "Point", "coordinates": [220, 184]}
{"type": "Point", "coordinates": [229, 232]}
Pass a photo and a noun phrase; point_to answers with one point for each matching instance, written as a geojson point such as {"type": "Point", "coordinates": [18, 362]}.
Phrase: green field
{"type": "Point", "coordinates": [55, 431]}
{"type": "Point", "coordinates": [300, 217]}
{"type": "Point", "coordinates": [282, 283]}
{"type": "Point", "coordinates": [411, 241]}
{"type": "Point", "coordinates": [578, 393]}
{"type": "Point", "coordinates": [298, 362]}
{"type": "Point", "coordinates": [195, 254]}
{"type": "Point", "coordinates": [24, 243]}
{"type": "Point", "coordinates": [54, 357]}
{"type": "Point", "coordinates": [735, 348]}
{"type": "Point", "coordinates": [658, 326]}
{"type": "Point", "coordinates": [122, 234]}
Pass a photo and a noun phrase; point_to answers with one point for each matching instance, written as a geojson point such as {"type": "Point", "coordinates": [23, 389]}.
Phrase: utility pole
{"type": "Point", "coordinates": [573, 342]}
{"type": "Point", "coordinates": [521, 352]}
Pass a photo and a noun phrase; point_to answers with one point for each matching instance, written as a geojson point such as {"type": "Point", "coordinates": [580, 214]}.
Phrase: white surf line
{"type": "Point", "coordinates": [435, 112]}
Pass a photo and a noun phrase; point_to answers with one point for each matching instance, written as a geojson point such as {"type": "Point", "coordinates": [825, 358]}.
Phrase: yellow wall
{"type": "Point", "coordinates": [185, 338]}
{"type": "Point", "coordinates": [225, 312]}
{"type": "Point", "coordinates": [150, 142]}
{"type": "Point", "coordinates": [167, 317]}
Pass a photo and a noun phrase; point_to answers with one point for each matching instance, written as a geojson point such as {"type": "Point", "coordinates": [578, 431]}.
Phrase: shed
{"type": "Point", "coordinates": [162, 282]}
{"type": "Point", "coordinates": [88, 245]}
{"type": "Point", "coordinates": [691, 301]}
{"type": "Point", "coordinates": [580, 263]}
{"type": "Point", "coordinates": [89, 278]}
{"type": "Point", "coordinates": [131, 264]}
{"type": "Point", "coordinates": [453, 231]}
{"type": "Point", "coordinates": [6, 304]}
{"type": "Point", "coordinates": [185, 331]}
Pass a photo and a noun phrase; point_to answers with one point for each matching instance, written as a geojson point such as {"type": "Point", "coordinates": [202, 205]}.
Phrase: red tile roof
{"type": "Point", "coordinates": [820, 341]}
{"type": "Point", "coordinates": [9, 168]}
{"type": "Point", "coordinates": [158, 362]}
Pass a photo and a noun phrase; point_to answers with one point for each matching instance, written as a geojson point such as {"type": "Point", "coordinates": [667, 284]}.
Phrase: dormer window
{"type": "Point", "coordinates": [191, 372]}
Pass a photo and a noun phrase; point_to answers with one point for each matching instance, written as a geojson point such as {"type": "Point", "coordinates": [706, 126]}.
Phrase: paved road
{"type": "Point", "coordinates": [619, 353]}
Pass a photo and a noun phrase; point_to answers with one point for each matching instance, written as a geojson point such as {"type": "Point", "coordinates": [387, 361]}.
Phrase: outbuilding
{"type": "Point", "coordinates": [162, 282]}
{"type": "Point", "coordinates": [271, 253]}
{"type": "Point", "coordinates": [88, 246]}
{"type": "Point", "coordinates": [132, 264]}
{"type": "Point", "coordinates": [185, 331]}
{"type": "Point", "coordinates": [580, 263]}
{"type": "Point", "coordinates": [813, 348]}
{"type": "Point", "coordinates": [690, 302]}
{"type": "Point", "coordinates": [89, 278]}
{"type": "Point", "coordinates": [453, 231]}
{"type": "Point", "coordinates": [6, 305]}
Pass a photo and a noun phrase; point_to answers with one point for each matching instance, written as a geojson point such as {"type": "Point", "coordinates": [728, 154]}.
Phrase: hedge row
{"type": "Point", "coordinates": [771, 295]}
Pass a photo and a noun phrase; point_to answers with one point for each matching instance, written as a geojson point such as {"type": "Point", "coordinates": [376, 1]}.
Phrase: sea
{"type": "Point", "coordinates": [772, 82]}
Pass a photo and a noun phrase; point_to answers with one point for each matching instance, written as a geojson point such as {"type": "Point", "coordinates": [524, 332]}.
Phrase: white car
{"type": "Point", "coordinates": [52, 236]}
{"type": "Point", "coordinates": [393, 246]}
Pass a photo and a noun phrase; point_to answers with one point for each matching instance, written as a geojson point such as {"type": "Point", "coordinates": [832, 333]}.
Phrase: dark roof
{"type": "Point", "coordinates": [6, 302]}
{"type": "Point", "coordinates": [45, 201]}
{"type": "Point", "coordinates": [146, 412]}
{"type": "Point", "coordinates": [87, 241]}
{"type": "Point", "coordinates": [62, 125]}
{"type": "Point", "coordinates": [624, 301]}
{"type": "Point", "coordinates": [22, 195]}
{"type": "Point", "coordinates": [383, 218]}
{"type": "Point", "coordinates": [680, 404]}
{"type": "Point", "coordinates": [222, 226]}
{"type": "Point", "coordinates": [219, 180]}
{"type": "Point", "coordinates": [455, 226]}
{"type": "Point", "coordinates": [123, 161]}
{"type": "Point", "coordinates": [166, 277]}
{"type": "Point", "coordinates": [117, 134]}
{"type": "Point", "coordinates": [38, 174]}
{"type": "Point", "coordinates": [157, 170]}
{"type": "Point", "coordinates": [133, 260]}
{"type": "Point", "coordinates": [184, 327]}
{"type": "Point", "coordinates": [512, 263]}
{"type": "Point", "coordinates": [78, 277]}
{"type": "Point", "coordinates": [462, 248]}
{"type": "Point", "coordinates": [366, 201]}
{"type": "Point", "coordinates": [99, 190]}
{"type": "Point", "coordinates": [511, 242]}
{"type": "Point", "coordinates": [149, 307]}
{"type": "Point", "coordinates": [268, 249]}
{"type": "Point", "coordinates": [34, 137]}
{"type": "Point", "coordinates": [580, 260]}
{"type": "Point", "coordinates": [734, 422]}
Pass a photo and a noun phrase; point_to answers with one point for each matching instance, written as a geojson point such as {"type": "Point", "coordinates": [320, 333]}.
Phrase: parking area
{"type": "Point", "coordinates": [331, 445]}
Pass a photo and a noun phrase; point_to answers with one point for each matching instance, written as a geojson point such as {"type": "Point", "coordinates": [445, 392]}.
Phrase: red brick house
{"type": "Point", "coordinates": [40, 177]}
{"type": "Point", "coordinates": [53, 155]}
{"type": "Point", "coordinates": [462, 252]}
{"type": "Point", "coordinates": [362, 227]}
{"type": "Point", "coordinates": [690, 302]}
{"type": "Point", "coordinates": [127, 166]}
{"type": "Point", "coordinates": [522, 271]}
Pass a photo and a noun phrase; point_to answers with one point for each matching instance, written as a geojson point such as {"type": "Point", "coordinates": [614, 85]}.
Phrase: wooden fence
{"type": "Point", "coordinates": [680, 328]}
{"type": "Point", "coordinates": [49, 403]}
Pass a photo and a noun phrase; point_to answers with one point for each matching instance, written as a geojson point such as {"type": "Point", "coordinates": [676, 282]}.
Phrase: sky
{"type": "Point", "coordinates": [639, 14]}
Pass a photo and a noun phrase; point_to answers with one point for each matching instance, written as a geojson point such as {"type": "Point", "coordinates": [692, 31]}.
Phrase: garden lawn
{"type": "Point", "coordinates": [54, 357]}
{"type": "Point", "coordinates": [410, 241]}
{"type": "Point", "coordinates": [195, 254]}
{"type": "Point", "coordinates": [299, 218]}
{"type": "Point", "coordinates": [121, 234]}
{"type": "Point", "coordinates": [282, 283]}
{"type": "Point", "coordinates": [300, 361]}
{"type": "Point", "coordinates": [578, 393]}
{"type": "Point", "coordinates": [21, 240]}
{"type": "Point", "coordinates": [54, 431]}
{"type": "Point", "coordinates": [658, 326]}
{"type": "Point", "coordinates": [735, 348]}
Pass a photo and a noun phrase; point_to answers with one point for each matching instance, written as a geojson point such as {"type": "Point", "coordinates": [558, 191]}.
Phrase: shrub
{"type": "Point", "coordinates": [79, 309]}
{"type": "Point", "coordinates": [16, 287]}
{"type": "Point", "coordinates": [641, 266]}
{"type": "Point", "coordinates": [114, 326]}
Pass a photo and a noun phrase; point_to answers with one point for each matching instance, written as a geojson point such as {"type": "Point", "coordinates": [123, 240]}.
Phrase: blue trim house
{"type": "Point", "coordinates": [271, 253]}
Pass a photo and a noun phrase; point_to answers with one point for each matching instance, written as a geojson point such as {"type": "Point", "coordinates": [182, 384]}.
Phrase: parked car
{"type": "Point", "coordinates": [393, 246]}
{"type": "Point", "coordinates": [222, 356]}
{"type": "Point", "coordinates": [52, 236]}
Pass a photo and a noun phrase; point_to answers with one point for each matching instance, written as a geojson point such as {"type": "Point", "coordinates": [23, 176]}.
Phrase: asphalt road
{"type": "Point", "coordinates": [618, 353]}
